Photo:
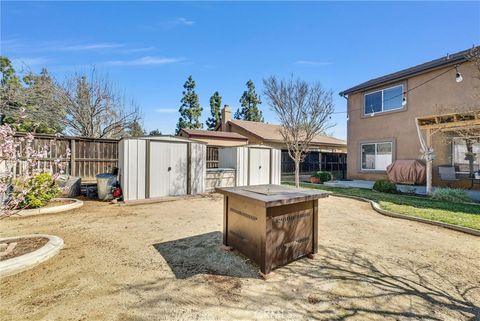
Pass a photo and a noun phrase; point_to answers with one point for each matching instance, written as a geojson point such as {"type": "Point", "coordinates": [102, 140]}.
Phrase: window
{"type": "Point", "coordinates": [212, 157]}
{"type": "Point", "coordinates": [376, 156]}
{"type": "Point", "coordinates": [460, 152]}
{"type": "Point", "coordinates": [383, 100]}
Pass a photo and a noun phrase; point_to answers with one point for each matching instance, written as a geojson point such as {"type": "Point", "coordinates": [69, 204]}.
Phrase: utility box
{"type": "Point", "coordinates": [159, 166]}
{"type": "Point", "coordinates": [254, 164]}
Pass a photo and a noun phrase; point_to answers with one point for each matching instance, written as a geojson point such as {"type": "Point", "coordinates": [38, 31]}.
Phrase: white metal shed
{"type": "Point", "coordinates": [159, 166]}
{"type": "Point", "coordinates": [254, 164]}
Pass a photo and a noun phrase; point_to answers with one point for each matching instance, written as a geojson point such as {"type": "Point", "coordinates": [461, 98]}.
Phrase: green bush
{"type": "Point", "coordinates": [385, 186]}
{"type": "Point", "coordinates": [323, 176]}
{"type": "Point", "coordinates": [447, 194]}
{"type": "Point", "coordinates": [38, 191]}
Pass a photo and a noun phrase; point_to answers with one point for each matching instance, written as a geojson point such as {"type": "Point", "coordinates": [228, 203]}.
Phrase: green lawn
{"type": "Point", "coordinates": [467, 215]}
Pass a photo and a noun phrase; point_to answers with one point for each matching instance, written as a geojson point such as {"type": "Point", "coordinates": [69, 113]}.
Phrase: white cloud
{"type": "Point", "coordinates": [93, 46]}
{"type": "Point", "coordinates": [184, 21]}
{"type": "Point", "coordinates": [147, 60]}
{"type": "Point", "coordinates": [18, 45]}
{"type": "Point", "coordinates": [166, 110]}
{"type": "Point", "coordinates": [168, 24]}
{"type": "Point", "coordinates": [313, 63]}
{"type": "Point", "coordinates": [139, 49]}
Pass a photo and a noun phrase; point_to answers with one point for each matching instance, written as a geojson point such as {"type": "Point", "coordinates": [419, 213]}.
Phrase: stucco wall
{"type": "Point", "coordinates": [440, 96]}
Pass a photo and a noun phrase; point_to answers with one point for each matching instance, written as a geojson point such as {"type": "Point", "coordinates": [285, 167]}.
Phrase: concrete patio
{"type": "Point", "coordinates": [417, 189]}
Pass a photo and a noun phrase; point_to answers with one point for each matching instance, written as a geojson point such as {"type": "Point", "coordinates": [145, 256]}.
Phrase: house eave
{"type": "Point", "coordinates": [402, 75]}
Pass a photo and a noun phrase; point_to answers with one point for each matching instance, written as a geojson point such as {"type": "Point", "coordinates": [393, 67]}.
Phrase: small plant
{"type": "Point", "coordinates": [456, 195]}
{"type": "Point", "coordinates": [36, 191]}
{"type": "Point", "coordinates": [385, 186]}
{"type": "Point", "coordinates": [323, 176]}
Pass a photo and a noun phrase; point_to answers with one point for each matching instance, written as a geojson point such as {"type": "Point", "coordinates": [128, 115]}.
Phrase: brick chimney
{"type": "Point", "coordinates": [226, 116]}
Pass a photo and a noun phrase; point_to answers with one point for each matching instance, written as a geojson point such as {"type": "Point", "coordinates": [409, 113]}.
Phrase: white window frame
{"type": "Point", "coordinates": [374, 143]}
{"type": "Point", "coordinates": [381, 90]}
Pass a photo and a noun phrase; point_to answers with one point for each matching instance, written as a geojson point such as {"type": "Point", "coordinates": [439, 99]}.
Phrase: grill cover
{"type": "Point", "coordinates": [406, 172]}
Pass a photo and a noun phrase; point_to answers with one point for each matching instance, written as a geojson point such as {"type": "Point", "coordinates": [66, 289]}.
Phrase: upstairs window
{"type": "Point", "coordinates": [383, 100]}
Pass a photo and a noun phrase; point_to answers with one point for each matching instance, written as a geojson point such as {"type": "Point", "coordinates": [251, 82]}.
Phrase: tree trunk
{"type": "Point", "coordinates": [297, 173]}
{"type": "Point", "coordinates": [470, 157]}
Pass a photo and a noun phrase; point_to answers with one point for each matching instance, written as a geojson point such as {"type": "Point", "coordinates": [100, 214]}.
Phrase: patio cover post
{"type": "Point", "coordinates": [427, 153]}
{"type": "Point", "coordinates": [429, 161]}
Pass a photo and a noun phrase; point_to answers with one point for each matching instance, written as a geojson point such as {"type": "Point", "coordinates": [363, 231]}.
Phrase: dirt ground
{"type": "Point", "coordinates": [163, 262]}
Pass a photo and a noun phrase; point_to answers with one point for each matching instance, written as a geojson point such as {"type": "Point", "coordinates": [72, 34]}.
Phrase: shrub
{"type": "Point", "coordinates": [385, 186]}
{"type": "Point", "coordinates": [447, 194]}
{"type": "Point", "coordinates": [323, 176]}
{"type": "Point", "coordinates": [37, 191]}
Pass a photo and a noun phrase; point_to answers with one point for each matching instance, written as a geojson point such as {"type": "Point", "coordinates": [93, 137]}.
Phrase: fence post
{"type": "Point", "coordinates": [72, 157]}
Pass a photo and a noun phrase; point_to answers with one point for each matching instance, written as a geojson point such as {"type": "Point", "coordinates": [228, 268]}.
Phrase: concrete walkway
{"type": "Point", "coordinates": [419, 189]}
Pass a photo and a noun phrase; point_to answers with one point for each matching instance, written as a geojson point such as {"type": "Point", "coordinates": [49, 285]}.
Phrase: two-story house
{"type": "Point", "coordinates": [382, 115]}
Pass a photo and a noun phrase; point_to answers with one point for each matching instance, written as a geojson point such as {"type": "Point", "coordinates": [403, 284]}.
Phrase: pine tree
{"type": "Point", "coordinates": [136, 129]}
{"type": "Point", "coordinates": [250, 102]}
{"type": "Point", "coordinates": [215, 105]}
{"type": "Point", "coordinates": [190, 110]}
{"type": "Point", "coordinates": [155, 132]}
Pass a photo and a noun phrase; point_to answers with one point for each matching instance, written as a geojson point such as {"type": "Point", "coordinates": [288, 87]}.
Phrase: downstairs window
{"type": "Point", "coordinates": [376, 156]}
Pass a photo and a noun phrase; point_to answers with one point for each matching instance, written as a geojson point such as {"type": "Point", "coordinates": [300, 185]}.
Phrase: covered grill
{"type": "Point", "coordinates": [406, 172]}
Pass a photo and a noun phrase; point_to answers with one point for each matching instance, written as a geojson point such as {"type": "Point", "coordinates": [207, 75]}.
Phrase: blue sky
{"type": "Point", "coordinates": [150, 48]}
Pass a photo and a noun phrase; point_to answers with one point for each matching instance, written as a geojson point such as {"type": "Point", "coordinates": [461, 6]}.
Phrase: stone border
{"type": "Point", "coordinates": [50, 210]}
{"type": "Point", "coordinates": [27, 261]}
{"type": "Point", "coordinates": [376, 207]}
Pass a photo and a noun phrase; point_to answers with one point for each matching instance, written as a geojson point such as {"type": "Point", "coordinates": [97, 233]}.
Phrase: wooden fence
{"type": "Point", "coordinates": [89, 156]}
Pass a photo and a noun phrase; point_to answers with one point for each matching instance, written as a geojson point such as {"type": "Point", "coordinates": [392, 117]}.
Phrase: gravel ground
{"type": "Point", "coordinates": [163, 262]}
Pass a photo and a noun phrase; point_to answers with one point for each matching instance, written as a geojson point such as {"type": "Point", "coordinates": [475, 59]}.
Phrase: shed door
{"type": "Point", "coordinates": [179, 170]}
{"type": "Point", "coordinates": [259, 166]}
{"type": "Point", "coordinates": [168, 169]}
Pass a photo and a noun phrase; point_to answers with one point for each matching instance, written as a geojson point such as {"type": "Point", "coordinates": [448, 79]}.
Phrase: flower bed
{"type": "Point", "coordinates": [56, 205]}
{"type": "Point", "coordinates": [32, 250]}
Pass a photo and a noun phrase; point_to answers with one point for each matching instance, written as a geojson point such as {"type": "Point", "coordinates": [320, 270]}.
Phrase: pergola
{"type": "Point", "coordinates": [452, 122]}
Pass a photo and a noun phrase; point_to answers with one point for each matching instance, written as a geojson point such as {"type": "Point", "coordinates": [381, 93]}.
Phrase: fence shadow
{"type": "Point", "coordinates": [202, 254]}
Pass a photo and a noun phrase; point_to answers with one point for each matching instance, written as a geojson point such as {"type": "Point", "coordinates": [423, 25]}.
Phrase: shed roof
{"type": "Point", "coordinates": [213, 134]}
{"type": "Point", "coordinates": [445, 61]}
{"type": "Point", "coordinates": [164, 138]}
{"type": "Point", "coordinates": [271, 133]}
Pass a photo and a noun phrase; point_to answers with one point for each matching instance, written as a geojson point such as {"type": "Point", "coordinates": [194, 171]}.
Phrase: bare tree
{"type": "Point", "coordinates": [95, 108]}
{"type": "Point", "coordinates": [304, 111]}
{"type": "Point", "coordinates": [474, 56]}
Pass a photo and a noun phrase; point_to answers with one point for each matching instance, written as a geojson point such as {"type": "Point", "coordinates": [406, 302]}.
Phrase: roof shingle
{"type": "Point", "coordinates": [271, 132]}
{"type": "Point", "coordinates": [213, 134]}
{"type": "Point", "coordinates": [449, 60]}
